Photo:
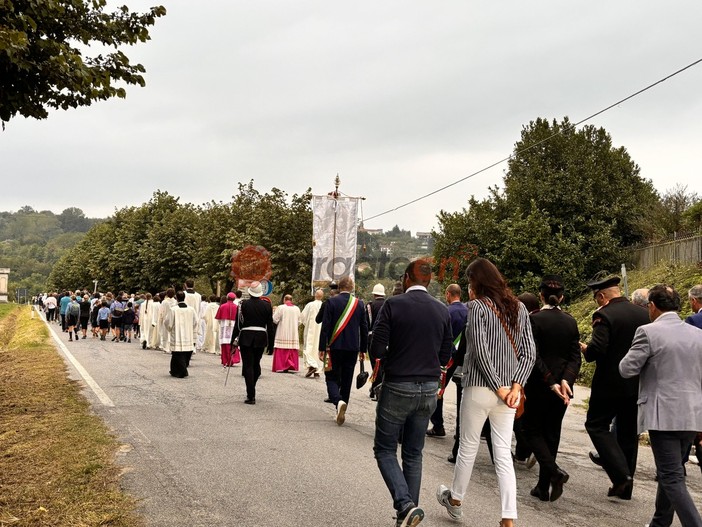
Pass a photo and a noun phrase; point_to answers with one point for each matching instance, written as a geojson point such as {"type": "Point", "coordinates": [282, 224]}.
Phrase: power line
{"type": "Point", "coordinates": [559, 132]}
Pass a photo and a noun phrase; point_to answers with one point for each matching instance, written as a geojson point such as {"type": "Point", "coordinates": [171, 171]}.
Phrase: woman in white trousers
{"type": "Point", "coordinates": [500, 354]}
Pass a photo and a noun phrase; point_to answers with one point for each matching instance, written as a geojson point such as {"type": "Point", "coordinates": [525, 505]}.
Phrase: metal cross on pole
{"type": "Point", "coordinates": [337, 182]}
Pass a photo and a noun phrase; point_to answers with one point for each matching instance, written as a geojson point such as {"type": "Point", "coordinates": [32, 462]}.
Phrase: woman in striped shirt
{"type": "Point", "coordinates": [500, 354]}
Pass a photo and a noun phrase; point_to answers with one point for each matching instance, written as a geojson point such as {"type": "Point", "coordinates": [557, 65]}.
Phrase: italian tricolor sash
{"type": "Point", "coordinates": [457, 340]}
{"type": "Point", "coordinates": [344, 318]}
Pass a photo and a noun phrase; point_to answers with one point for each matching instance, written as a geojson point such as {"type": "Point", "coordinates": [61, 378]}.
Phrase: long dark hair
{"type": "Point", "coordinates": [487, 281]}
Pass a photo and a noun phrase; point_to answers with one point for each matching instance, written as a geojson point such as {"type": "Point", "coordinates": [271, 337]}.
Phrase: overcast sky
{"type": "Point", "coordinates": [397, 97]}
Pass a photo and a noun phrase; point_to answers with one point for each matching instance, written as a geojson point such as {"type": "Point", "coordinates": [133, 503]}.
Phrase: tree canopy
{"type": "Point", "coordinates": [163, 242]}
{"type": "Point", "coordinates": [43, 54]}
{"type": "Point", "coordinates": [570, 205]}
{"type": "Point", "coordinates": [31, 242]}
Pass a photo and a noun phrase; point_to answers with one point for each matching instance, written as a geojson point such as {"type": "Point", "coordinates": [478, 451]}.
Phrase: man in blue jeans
{"type": "Point", "coordinates": [413, 339]}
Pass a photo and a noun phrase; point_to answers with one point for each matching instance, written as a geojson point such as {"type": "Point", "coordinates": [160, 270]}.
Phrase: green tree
{"type": "Point", "coordinates": [43, 54]}
{"type": "Point", "coordinates": [163, 242]}
{"type": "Point", "coordinates": [88, 260]}
{"type": "Point", "coordinates": [281, 224]}
{"type": "Point", "coordinates": [670, 216]}
{"type": "Point", "coordinates": [693, 217]}
{"type": "Point", "coordinates": [570, 204]}
{"type": "Point", "coordinates": [214, 254]}
{"type": "Point", "coordinates": [168, 252]}
{"type": "Point", "coordinates": [73, 219]}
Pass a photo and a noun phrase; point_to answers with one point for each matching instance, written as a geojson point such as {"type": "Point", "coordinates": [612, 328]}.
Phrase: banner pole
{"type": "Point", "coordinates": [337, 182]}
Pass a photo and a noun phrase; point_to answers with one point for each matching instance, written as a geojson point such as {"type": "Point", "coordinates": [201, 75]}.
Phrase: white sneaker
{"type": "Point", "coordinates": [340, 413]}
{"type": "Point", "coordinates": [443, 495]}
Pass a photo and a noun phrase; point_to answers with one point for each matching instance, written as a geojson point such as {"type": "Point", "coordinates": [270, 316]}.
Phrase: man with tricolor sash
{"type": "Point", "coordinates": [346, 331]}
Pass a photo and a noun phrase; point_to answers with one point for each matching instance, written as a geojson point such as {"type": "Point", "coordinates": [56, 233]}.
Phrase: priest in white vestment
{"type": "Point", "coordinates": [286, 347]}
{"type": "Point", "coordinates": [310, 351]}
{"type": "Point", "coordinates": [207, 338]}
{"type": "Point", "coordinates": [167, 304]}
{"type": "Point", "coordinates": [181, 322]}
{"type": "Point", "coordinates": [201, 323]}
{"type": "Point", "coordinates": [192, 297]}
{"type": "Point", "coordinates": [154, 329]}
{"type": "Point", "coordinates": [145, 319]}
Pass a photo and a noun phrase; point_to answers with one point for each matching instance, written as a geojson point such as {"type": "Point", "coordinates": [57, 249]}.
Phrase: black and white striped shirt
{"type": "Point", "coordinates": [490, 359]}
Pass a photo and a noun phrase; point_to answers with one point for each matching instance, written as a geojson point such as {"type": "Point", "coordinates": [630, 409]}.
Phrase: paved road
{"type": "Point", "coordinates": [195, 455]}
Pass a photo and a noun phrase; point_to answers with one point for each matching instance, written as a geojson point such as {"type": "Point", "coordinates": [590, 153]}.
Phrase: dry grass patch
{"type": "Point", "coordinates": [56, 458]}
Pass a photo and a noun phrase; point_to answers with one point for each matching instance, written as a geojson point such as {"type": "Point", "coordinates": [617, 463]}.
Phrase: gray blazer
{"type": "Point", "coordinates": [667, 354]}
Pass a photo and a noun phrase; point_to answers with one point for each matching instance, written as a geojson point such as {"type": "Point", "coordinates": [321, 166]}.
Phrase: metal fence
{"type": "Point", "coordinates": [687, 250]}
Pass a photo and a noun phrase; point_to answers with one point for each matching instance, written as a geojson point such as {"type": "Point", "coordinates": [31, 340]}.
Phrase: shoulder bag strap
{"type": "Point", "coordinates": [504, 326]}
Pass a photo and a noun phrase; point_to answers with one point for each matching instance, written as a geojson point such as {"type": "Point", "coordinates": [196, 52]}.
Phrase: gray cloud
{"type": "Point", "coordinates": [399, 98]}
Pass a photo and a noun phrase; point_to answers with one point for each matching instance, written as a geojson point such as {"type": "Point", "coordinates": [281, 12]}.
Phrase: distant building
{"type": "Point", "coordinates": [426, 240]}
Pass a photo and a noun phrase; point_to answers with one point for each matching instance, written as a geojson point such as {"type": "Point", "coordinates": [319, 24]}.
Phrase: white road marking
{"type": "Point", "coordinates": [99, 392]}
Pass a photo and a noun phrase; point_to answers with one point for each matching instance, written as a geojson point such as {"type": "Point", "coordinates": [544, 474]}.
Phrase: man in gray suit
{"type": "Point", "coordinates": [667, 354]}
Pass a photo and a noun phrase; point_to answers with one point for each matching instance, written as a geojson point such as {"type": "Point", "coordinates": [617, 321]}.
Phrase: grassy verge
{"type": "Point", "coordinates": [681, 277]}
{"type": "Point", "coordinates": [56, 458]}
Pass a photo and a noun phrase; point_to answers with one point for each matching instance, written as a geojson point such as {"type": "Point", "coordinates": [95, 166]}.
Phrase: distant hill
{"type": "Point", "coordinates": [32, 241]}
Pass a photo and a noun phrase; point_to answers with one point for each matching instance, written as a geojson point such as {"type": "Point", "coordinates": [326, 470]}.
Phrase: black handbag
{"type": "Point", "coordinates": [362, 376]}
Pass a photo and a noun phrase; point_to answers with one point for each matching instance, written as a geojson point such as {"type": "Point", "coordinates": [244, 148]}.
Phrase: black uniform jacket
{"type": "Point", "coordinates": [557, 349]}
{"type": "Point", "coordinates": [613, 328]}
{"type": "Point", "coordinates": [254, 312]}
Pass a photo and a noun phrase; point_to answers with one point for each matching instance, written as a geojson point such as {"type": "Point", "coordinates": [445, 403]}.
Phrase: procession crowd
{"type": "Point", "coordinates": [514, 361]}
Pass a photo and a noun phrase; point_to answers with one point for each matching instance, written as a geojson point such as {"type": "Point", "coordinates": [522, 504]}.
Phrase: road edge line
{"type": "Point", "coordinates": [94, 386]}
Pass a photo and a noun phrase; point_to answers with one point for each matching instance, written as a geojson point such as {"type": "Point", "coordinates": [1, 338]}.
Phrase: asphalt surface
{"type": "Point", "coordinates": [195, 455]}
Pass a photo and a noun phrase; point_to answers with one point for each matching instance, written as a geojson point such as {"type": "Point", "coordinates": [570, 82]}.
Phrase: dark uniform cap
{"type": "Point", "coordinates": [333, 285]}
{"type": "Point", "coordinates": [598, 285]}
{"type": "Point", "coordinates": [551, 281]}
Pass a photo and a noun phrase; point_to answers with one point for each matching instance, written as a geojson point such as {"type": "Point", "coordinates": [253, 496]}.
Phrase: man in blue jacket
{"type": "Point", "coordinates": [695, 295]}
{"type": "Point", "coordinates": [413, 339]}
{"type": "Point", "coordinates": [346, 332]}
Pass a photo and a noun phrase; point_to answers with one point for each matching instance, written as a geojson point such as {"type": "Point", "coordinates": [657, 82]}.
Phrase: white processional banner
{"type": "Point", "coordinates": [334, 230]}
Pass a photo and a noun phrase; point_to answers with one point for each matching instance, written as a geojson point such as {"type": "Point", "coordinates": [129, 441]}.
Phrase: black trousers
{"type": "Point", "coordinates": [179, 363]}
{"type": "Point", "coordinates": [251, 368]}
{"type": "Point", "coordinates": [541, 427]}
{"type": "Point", "coordinates": [437, 418]}
{"type": "Point", "coordinates": [457, 437]}
{"type": "Point", "coordinates": [617, 452]}
{"type": "Point", "coordinates": [343, 366]}
{"type": "Point", "coordinates": [669, 449]}
{"type": "Point", "coordinates": [522, 450]}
